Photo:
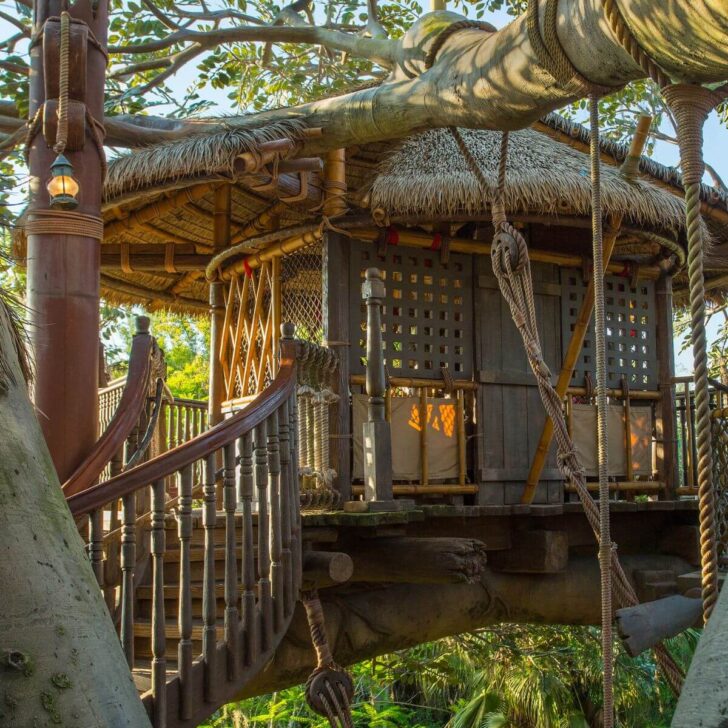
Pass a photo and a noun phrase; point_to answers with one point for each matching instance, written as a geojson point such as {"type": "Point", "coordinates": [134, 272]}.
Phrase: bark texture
{"type": "Point", "coordinates": [363, 621]}
{"type": "Point", "coordinates": [60, 659]}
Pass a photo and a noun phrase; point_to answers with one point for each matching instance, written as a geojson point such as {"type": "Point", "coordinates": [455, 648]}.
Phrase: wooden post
{"type": "Point", "coordinates": [221, 239]}
{"type": "Point", "coordinates": [335, 294]}
{"type": "Point", "coordinates": [424, 455]}
{"type": "Point", "coordinates": [666, 445]}
{"type": "Point", "coordinates": [377, 435]}
{"type": "Point", "coordinates": [63, 269]}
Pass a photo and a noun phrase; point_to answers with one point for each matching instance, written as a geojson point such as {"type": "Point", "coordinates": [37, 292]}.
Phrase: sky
{"type": "Point", "coordinates": [715, 143]}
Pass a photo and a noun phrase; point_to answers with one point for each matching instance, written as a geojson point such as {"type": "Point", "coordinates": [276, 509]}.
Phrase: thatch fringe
{"type": "Point", "coordinates": [428, 175]}
{"type": "Point", "coordinates": [204, 154]}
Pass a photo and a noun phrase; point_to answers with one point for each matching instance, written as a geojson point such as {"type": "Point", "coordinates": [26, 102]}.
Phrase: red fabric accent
{"type": "Point", "coordinates": [246, 267]}
{"type": "Point", "coordinates": [392, 236]}
{"type": "Point", "coordinates": [625, 272]}
{"type": "Point", "coordinates": [436, 242]}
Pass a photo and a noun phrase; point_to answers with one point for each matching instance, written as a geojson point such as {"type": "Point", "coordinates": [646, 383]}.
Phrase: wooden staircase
{"type": "Point", "coordinates": [203, 596]}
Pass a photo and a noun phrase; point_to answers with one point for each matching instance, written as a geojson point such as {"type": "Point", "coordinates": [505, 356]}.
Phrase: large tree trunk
{"type": "Point", "coordinates": [363, 621]}
{"type": "Point", "coordinates": [488, 80]}
{"type": "Point", "coordinates": [60, 659]}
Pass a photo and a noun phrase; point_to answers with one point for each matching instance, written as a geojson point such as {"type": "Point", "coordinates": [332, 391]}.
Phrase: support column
{"type": "Point", "coordinates": [377, 433]}
{"type": "Point", "coordinates": [666, 440]}
{"type": "Point", "coordinates": [63, 269]}
{"type": "Point", "coordinates": [221, 239]}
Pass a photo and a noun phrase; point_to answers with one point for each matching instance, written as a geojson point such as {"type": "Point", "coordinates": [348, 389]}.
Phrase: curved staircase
{"type": "Point", "coordinates": [207, 581]}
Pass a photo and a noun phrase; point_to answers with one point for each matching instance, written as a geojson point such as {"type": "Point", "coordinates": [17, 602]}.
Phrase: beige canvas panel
{"type": "Point", "coordinates": [442, 455]}
{"type": "Point", "coordinates": [584, 433]}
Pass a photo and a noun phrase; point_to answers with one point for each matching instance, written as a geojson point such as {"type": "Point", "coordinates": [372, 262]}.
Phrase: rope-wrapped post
{"type": "Point", "coordinates": [691, 105]}
{"type": "Point", "coordinates": [329, 689]}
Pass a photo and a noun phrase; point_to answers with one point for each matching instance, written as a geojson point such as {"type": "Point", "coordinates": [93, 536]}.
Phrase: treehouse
{"type": "Point", "coordinates": [374, 430]}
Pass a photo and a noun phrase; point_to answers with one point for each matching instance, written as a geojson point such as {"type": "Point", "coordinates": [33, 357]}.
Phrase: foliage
{"type": "Point", "coordinates": [510, 676]}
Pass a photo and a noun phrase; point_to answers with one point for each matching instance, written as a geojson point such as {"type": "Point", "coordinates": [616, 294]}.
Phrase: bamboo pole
{"type": "Point", "coordinates": [690, 438]}
{"type": "Point", "coordinates": [464, 384]}
{"type": "Point", "coordinates": [425, 489]}
{"type": "Point", "coordinates": [460, 425]}
{"type": "Point", "coordinates": [627, 430]}
{"type": "Point", "coordinates": [647, 486]}
{"type": "Point", "coordinates": [424, 465]}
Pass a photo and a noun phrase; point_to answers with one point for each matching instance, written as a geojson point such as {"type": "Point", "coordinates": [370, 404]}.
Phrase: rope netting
{"type": "Point", "coordinates": [301, 289]}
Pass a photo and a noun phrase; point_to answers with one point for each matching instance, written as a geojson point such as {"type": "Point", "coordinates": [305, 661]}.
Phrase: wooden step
{"type": "Point", "coordinates": [171, 600]}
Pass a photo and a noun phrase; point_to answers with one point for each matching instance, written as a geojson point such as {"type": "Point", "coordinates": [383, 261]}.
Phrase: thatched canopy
{"type": "Point", "coordinates": [164, 195]}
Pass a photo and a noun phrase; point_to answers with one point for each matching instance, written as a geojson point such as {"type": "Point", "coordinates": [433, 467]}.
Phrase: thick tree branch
{"type": "Point", "coordinates": [17, 23]}
{"type": "Point", "coordinates": [379, 50]}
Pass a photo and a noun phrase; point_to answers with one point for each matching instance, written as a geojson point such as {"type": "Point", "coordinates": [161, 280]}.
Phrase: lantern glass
{"type": "Point", "coordinates": [62, 186]}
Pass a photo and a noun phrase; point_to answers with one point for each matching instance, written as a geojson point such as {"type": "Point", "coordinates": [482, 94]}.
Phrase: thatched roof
{"type": "Point", "coordinates": [421, 177]}
{"type": "Point", "coordinates": [427, 175]}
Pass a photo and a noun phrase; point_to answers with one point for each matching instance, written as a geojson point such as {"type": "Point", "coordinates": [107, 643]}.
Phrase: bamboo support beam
{"type": "Point", "coordinates": [433, 489]}
{"type": "Point", "coordinates": [424, 464]}
{"type": "Point", "coordinates": [461, 442]}
{"type": "Point", "coordinates": [567, 369]}
{"type": "Point", "coordinates": [463, 384]}
{"type": "Point", "coordinates": [647, 486]}
{"type": "Point", "coordinates": [157, 209]}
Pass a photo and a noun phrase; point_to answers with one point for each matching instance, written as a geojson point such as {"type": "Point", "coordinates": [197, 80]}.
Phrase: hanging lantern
{"type": "Point", "coordinates": [62, 186]}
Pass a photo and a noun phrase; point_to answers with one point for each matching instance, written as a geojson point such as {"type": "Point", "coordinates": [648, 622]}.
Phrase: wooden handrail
{"type": "Point", "coordinates": [196, 449]}
{"type": "Point", "coordinates": [124, 420]}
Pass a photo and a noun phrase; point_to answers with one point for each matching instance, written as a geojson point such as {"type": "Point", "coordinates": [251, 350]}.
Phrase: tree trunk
{"type": "Point", "coordinates": [60, 659]}
{"type": "Point", "coordinates": [363, 621]}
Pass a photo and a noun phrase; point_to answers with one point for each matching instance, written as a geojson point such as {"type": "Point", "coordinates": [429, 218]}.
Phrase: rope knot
{"type": "Point", "coordinates": [691, 104]}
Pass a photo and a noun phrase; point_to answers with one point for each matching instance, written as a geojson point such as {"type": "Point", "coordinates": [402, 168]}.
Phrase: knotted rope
{"type": "Point", "coordinates": [329, 689]}
{"type": "Point", "coordinates": [512, 268]}
{"type": "Point", "coordinates": [690, 105]}
{"type": "Point", "coordinates": [63, 84]}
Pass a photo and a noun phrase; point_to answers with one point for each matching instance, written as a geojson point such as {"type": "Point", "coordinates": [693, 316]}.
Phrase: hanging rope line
{"type": "Point", "coordinates": [63, 83]}
{"type": "Point", "coordinates": [690, 105]}
{"type": "Point", "coordinates": [605, 537]}
{"type": "Point", "coordinates": [329, 689]}
{"type": "Point", "coordinates": [512, 268]}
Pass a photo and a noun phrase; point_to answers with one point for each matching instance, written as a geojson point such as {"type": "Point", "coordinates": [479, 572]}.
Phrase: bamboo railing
{"type": "Point", "coordinates": [258, 451]}
{"type": "Point", "coordinates": [425, 389]}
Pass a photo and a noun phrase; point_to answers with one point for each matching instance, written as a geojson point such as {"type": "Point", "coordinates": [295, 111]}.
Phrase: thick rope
{"type": "Point", "coordinates": [605, 538]}
{"type": "Point", "coordinates": [691, 105]}
{"type": "Point", "coordinates": [512, 268]}
{"type": "Point", "coordinates": [551, 54]}
{"type": "Point", "coordinates": [329, 690]}
{"type": "Point", "coordinates": [63, 222]}
{"type": "Point", "coordinates": [63, 84]}
{"type": "Point", "coordinates": [624, 35]}
{"type": "Point", "coordinates": [448, 31]}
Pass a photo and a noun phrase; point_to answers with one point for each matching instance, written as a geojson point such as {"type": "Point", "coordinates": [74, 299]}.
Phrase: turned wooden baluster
{"type": "Point", "coordinates": [128, 561]}
{"type": "Point", "coordinates": [159, 639]}
{"type": "Point", "coordinates": [184, 648]}
{"type": "Point", "coordinates": [96, 544]}
{"type": "Point", "coordinates": [285, 491]}
{"type": "Point", "coordinates": [247, 598]}
{"type": "Point", "coordinates": [274, 493]}
{"type": "Point", "coordinates": [264, 586]}
{"type": "Point", "coordinates": [209, 602]}
{"type": "Point", "coordinates": [295, 499]}
{"type": "Point", "coordinates": [229, 503]}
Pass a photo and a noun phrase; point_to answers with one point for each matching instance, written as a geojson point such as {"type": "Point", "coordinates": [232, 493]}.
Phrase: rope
{"type": "Point", "coordinates": [624, 35]}
{"type": "Point", "coordinates": [512, 268]}
{"type": "Point", "coordinates": [691, 105]}
{"type": "Point", "coordinates": [448, 31]}
{"type": "Point", "coordinates": [329, 690]}
{"type": "Point", "coordinates": [605, 538]}
{"type": "Point", "coordinates": [63, 84]}
{"type": "Point", "coordinates": [64, 222]}
{"type": "Point", "coordinates": [551, 54]}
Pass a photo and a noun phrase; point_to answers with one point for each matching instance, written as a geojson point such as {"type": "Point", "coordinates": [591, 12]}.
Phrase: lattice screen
{"type": "Point", "coordinates": [631, 329]}
{"type": "Point", "coordinates": [427, 321]}
{"type": "Point", "coordinates": [301, 292]}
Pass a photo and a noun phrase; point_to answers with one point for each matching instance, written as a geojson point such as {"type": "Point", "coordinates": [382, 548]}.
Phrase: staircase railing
{"type": "Point", "coordinates": [146, 368]}
{"type": "Point", "coordinates": [258, 451]}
